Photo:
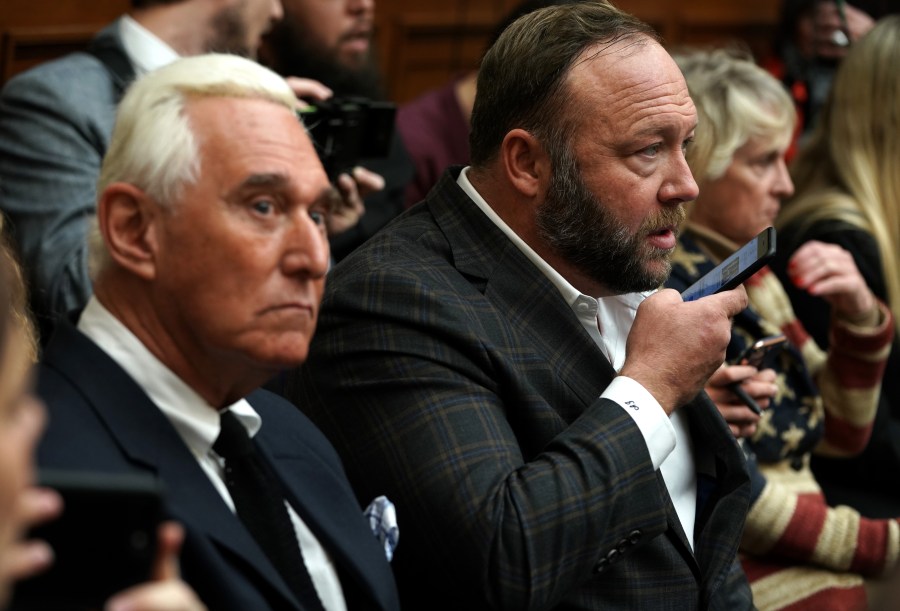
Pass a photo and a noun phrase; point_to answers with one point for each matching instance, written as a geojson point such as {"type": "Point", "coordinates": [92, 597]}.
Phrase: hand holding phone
{"type": "Point", "coordinates": [104, 542]}
{"type": "Point", "coordinates": [756, 355]}
{"type": "Point", "coordinates": [761, 352]}
{"type": "Point", "coordinates": [734, 270]}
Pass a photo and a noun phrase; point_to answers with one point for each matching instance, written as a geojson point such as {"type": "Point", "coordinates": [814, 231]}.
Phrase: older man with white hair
{"type": "Point", "coordinates": [212, 212]}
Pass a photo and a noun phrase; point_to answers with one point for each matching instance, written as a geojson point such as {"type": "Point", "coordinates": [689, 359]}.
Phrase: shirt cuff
{"type": "Point", "coordinates": [649, 416]}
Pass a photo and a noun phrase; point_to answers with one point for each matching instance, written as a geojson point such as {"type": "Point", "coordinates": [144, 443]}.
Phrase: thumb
{"type": "Point", "coordinates": [170, 536]}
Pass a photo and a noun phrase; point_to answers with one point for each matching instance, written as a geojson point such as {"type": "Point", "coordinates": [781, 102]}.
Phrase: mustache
{"type": "Point", "coordinates": [667, 217]}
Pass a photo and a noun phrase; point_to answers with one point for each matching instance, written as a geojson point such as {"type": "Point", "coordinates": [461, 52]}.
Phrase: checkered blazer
{"type": "Point", "coordinates": [451, 376]}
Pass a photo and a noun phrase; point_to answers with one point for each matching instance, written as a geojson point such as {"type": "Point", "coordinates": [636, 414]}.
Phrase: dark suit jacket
{"type": "Point", "coordinates": [55, 125]}
{"type": "Point", "coordinates": [448, 370]}
{"type": "Point", "coordinates": [101, 420]}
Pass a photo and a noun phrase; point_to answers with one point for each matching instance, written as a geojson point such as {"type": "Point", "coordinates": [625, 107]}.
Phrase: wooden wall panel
{"type": "Point", "coordinates": [421, 43]}
{"type": "Point", "coordinates": [32, 31]}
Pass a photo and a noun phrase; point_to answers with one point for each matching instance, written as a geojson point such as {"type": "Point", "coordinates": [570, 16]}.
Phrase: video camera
{"type": "Point", "coordinates": [346, 130]}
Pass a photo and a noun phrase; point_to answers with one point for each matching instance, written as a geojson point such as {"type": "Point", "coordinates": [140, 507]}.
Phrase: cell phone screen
{"type": "Point", "coordinates": [734, 270]}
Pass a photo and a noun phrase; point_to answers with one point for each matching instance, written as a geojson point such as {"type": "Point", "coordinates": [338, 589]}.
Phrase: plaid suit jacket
{"type": "Point", "coordinates": [451, 375]}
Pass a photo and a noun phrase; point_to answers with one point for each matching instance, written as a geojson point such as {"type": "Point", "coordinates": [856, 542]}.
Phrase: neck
{"type": "Point", "coordinates": [519, 212]}
{"type": "Point", "coordinates": [220, 379]}
{"type": "Point", "coordinates": [182, 25]}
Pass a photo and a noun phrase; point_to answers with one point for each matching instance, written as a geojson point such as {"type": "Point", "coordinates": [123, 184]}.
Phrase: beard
{"type": "Point", "coordinates": [579, 227]}
{"type": "Point", "coordinates": [229, 32]}
{"type": "Point", "coordinates": [289, 51]}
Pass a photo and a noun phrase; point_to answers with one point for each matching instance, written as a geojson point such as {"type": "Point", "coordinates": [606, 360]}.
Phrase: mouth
{"type": "Point", "coordinates": [291, 308]}
{"type": "Point", "coordinates": [663, 238]}
{"type": "Point", "coordinates": [358, 38]}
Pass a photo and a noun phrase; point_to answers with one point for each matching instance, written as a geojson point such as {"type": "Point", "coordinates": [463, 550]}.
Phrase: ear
{"type": "Point", "coordinates": [525, 162]}
{"type": "Point", "coordinates": [128, 219]}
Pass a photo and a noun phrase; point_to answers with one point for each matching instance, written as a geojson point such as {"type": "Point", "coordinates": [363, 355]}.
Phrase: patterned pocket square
{"type": "Point", "coordinates": [383, 521]}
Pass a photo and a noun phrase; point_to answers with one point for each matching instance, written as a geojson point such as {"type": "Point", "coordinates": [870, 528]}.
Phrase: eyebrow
{"type": "Point", "coordinates": [262, 180]}
{"type": "Point", "coordinates": [330, 197]}
{"type": "Point", "coordinates": [658, 128]}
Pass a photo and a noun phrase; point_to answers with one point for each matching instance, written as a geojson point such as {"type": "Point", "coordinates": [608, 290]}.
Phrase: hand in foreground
{"type": "Point", "coordinates": [308, 90]}
{"type": "Point", "coordinates": [167, 592]}
{"type": "Point", "coordinates": [674, 346]}
{"type": "Point", "coordinates": [353, 190]}
{"type": "Point", "coordinates": [831, 38]}
{"type": "Point", "coordinates": [27, 558]}
{"type": "Point", "coordinates": [828, 271]}
{"type": "Point", "coordinates": [759, 385]}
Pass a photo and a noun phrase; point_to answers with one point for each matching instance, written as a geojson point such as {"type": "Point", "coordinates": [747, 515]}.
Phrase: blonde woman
{"type": "Point", "coordinates": [848, 193]}
{"type": "Point", "coordinates": [797, 550]}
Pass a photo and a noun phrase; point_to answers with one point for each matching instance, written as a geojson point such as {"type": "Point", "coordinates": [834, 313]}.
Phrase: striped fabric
{"type": "Point", "coordinates": [798, 552]}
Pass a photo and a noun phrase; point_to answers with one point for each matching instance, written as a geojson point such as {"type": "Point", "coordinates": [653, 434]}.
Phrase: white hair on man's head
{"type": "Point", "coordinates": [153, 146]}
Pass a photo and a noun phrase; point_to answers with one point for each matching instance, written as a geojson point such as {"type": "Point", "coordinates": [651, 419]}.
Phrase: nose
{"type": "Point", "coordinates": [679, 185]}
{"type": "Point", "coordinates": [357, 7]}
{"type": "Point", "coordinates": [307, 254]}
{"type": "Point", "coordinates": [783, 187]}
{"type": "Point", "coordinates": [276, 11]}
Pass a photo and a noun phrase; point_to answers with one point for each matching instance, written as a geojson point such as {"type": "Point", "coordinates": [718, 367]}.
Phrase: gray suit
{"type": "Point", "coordinates": [55, 126]}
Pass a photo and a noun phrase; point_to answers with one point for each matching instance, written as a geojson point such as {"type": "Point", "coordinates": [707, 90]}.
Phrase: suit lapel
{"type": "Point", "coordinates": [147, 438]}
{"type": "Point", "coordinates": [107, 47]}
{"type": "Point", "coordinates": [533, 307]}
{"type": "Point", "coordinates": [721, 462]}
{"type": "Point", "coordinates": [329, 510]}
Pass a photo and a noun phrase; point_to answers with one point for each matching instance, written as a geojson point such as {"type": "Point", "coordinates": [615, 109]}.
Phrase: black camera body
{"type": "Point", "coordinates": [348, 129]}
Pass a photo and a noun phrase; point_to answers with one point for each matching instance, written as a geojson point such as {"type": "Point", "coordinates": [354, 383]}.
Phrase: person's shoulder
{"type": "Point", "coordinates": [281, 418]}
{"type": "Point", "coordinates": [79, 69]}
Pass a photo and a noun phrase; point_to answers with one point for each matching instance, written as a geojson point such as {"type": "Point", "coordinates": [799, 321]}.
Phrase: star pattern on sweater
{"type": "Point", "coordinates": [792, 438]}
{"type": "Point", "coordinates": [784, 390]}
{"type": "Point", "coordinates": [812, 406]}
{"type": "Point", "coordinates": [764, 427]}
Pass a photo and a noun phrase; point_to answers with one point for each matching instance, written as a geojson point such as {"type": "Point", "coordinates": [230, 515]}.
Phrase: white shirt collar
{"type": "Point", "coordinates": [196, 421]}
{"type": "Point", "coordinates": [614, 314]}
{"type": "Point", "coordinates": [145, 50]}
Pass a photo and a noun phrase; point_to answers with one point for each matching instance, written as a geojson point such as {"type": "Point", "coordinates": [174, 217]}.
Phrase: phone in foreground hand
{"type": "Point", "coordinates": [104, 542]}
{"type": "Point", "coordinates": [734, 270]}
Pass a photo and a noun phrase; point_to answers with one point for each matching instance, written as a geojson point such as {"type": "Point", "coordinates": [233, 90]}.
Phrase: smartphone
{"type": "Point", "coordinates": [734, 270]}
{"type": "Point", "coordinates": [104, 542]}
{"type": "Point", "coordinates": [761, 352]}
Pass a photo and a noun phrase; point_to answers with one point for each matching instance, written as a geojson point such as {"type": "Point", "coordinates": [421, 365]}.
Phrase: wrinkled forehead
{"type": "Point", "coordinates": [629, 79]}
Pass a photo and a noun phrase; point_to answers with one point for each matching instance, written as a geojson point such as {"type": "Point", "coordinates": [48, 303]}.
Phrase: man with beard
{"type": "Point", "coordinates": [330, 42]}
{"type": "Point", "coordinates": [56, 121]}
{"type": "Point", "coordinates": [500, 361]}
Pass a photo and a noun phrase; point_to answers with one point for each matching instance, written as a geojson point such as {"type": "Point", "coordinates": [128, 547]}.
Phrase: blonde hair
{"type": "Point", "coordinates": [153, 146]}
{"type": "Point", "coordinates": [850, 169]}
{"type": "Point", "coordinates": [15, 317]}
{"type": "Point", "coordinates": [736, 100]}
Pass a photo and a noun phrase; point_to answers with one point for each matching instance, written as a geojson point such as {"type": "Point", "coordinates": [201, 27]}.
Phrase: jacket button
{"type": "Point", "coordinates": [634, 536]}
{"type": "Point", "coordinates": [601, 565]}
{"type": "Point", "coordinates": [612, 556]}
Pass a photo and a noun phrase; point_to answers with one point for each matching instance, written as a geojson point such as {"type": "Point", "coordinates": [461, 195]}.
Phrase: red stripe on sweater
{"type": "Point", "coordinates": [802, 532]}
{"type": "Point", "coordinates": [853, 373]}
{"type": "Point", "coordinates": [871, 545]}
{"type": "Point", "coordinates": [832, 599]}
{"type": "Point", "coordinates": [846, 436]}
{"type": "Point", "coordinates": [796, 333]}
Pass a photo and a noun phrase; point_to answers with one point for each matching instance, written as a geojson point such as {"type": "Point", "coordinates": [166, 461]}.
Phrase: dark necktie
{"type": "Point", "coordinates": [259, 501]}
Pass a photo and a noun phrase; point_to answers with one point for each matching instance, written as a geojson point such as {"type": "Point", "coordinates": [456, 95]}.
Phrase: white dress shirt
{"type": "Point", "coordinates": [145, 50]}
{"type": "Point", "coordinates": [608, 320]}
{"type": "Point", "coordinates": [197, 423]}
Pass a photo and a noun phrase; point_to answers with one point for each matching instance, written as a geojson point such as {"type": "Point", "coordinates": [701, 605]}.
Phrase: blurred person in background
{"type": "Point", "coordinates": [848, 195]}
{"type": "Point", "coordinates": [817, 402]}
